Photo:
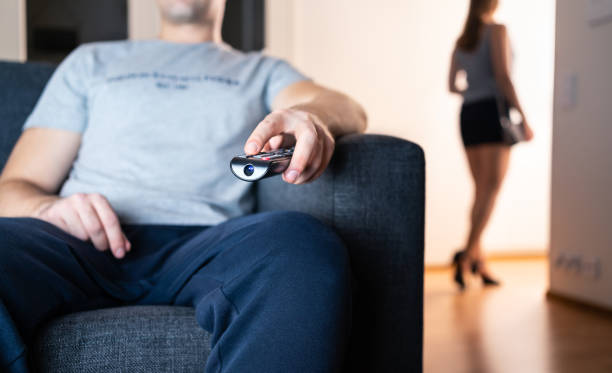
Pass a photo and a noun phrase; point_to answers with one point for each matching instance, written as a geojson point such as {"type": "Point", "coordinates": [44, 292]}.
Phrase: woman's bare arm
{"type": "Point", "coordinates": [452, 75]}
{"type": "Point", "coordinates": [500, 55]}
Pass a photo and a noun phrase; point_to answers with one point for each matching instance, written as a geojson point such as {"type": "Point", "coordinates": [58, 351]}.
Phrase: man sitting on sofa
{"type": "Point", "coordinates": [119, 192]}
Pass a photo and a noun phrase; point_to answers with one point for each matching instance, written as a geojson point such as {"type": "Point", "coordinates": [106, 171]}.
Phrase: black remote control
{"type": "Point", "coordinates": [258, 166]}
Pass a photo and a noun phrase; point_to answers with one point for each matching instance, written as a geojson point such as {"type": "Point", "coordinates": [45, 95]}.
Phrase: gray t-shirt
{"type": "Point", "coordinates": [160, 122]}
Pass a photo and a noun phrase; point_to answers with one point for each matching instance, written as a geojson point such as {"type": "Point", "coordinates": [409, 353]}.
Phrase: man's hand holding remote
{"type": "Point", "coordinates": [308, 117]}
{"type": "Point", "coordinates": [314, 143]}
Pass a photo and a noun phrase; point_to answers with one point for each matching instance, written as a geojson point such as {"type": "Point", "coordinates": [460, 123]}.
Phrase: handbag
{"type": "Point", "coordinates": [513, 130]}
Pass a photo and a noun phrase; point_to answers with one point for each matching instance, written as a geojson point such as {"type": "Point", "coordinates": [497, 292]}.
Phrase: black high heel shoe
{"type": "Point", "coordinates": [486, 280]}
{"type": "Point", "coordinates": [458, 278]}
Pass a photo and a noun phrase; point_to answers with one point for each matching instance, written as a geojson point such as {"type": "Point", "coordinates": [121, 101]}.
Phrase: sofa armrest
{"type": "Point", "coordinates": [373, 195]}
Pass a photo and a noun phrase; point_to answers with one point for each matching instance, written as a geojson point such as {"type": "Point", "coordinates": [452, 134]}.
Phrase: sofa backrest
{"type": "Point", "coordinates": [20, 86]}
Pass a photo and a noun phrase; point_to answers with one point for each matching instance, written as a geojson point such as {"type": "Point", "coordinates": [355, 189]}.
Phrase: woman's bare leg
{"type": "Point", "coordinates": [491, 164]}
{"type": "Point", "coordinates": [475, 156]}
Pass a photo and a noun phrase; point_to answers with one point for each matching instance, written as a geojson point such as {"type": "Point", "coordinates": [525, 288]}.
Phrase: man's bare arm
{"type": "Point", "coordinates": [36, 169]}
{"type": "Point", "coordinates": [32, 177]}
{"type": "Point", "coordinates": [339, 112]}
{"type": "Point", "coordinates": [309, 116]}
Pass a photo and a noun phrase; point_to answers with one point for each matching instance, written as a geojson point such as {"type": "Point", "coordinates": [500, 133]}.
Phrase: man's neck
{"type": "Point", "coordinates": [190, 33]}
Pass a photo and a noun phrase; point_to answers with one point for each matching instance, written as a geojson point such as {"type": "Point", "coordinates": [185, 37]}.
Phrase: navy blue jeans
{"type": "Point", "coordinates": [273, 289]}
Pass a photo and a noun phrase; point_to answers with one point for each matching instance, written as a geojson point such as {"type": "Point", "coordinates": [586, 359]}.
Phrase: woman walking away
{"type": "Point", "coordinates": [483, 52]}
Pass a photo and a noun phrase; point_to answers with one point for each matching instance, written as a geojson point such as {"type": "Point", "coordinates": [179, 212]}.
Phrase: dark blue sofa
{"type": "Point", "coordinates": [372, 195]}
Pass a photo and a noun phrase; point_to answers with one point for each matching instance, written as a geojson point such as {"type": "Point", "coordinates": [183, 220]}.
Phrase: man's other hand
{"type": "Point", "coordinates": [87, 217]}
{"type": "Point", "coordinates": [314, 143]}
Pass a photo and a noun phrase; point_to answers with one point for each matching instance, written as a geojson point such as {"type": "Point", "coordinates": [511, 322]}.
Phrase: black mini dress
{"type": "Point", "coordinates": [480, 123]}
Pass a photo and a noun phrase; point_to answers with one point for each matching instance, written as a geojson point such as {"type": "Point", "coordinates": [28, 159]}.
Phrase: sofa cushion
{"type": "Point", "coordinates": [125, 339]}
{"type": "Point", "coordinates": [20, 87]}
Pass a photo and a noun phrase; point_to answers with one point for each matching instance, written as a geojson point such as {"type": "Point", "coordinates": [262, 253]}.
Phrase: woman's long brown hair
{"type": "Point", "coordinates": [468, 41]}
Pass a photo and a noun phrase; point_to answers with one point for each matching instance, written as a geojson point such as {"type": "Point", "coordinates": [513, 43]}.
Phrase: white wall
{"type": "Point", "coordinates": [143, 19]}
{"type": "Point", "coordinates": [12, 30]}
{"type": "Point", "coordinates": [279, 28]}
{"type": "Point", "coordinates": [581, 238]}
{"type": "Point", "coordinates": [393, 56]}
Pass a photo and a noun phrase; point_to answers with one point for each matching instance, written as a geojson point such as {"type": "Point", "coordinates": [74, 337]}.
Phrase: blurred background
{"type": "Point", "coordinates": [393, 56]}
{"type": "Point", "coordinates": [550, 229]}
{"type": "Point", "coordinates": [390, 55]}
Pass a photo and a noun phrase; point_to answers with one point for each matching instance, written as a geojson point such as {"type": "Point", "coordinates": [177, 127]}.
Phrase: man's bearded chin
{"type": "Point", "coordinates": [185, 12]}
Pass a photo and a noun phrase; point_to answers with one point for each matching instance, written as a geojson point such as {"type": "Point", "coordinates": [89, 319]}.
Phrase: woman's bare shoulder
{"type": "Point", "coordinates": [499, 32]}
{"type": "Point", "coordinates": [498, 28]}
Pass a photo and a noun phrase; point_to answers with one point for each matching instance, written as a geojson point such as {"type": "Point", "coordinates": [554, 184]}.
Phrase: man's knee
{"type": "Point", "coordinates": [297, 229]}
{"type": "Point", "coordinates": [303, 243]}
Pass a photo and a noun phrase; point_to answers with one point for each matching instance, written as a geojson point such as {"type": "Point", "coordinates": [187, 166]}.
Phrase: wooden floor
{"type": "Point", "coordinates": [513, 328]}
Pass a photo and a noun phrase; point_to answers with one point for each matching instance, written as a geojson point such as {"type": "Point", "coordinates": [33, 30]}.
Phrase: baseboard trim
{"type": "Point", "coordinates": [522, 255]}
{"type": "Point", "coordinates": [579, 303]}
{"type": "Point", "coordinates": [500, 257]}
